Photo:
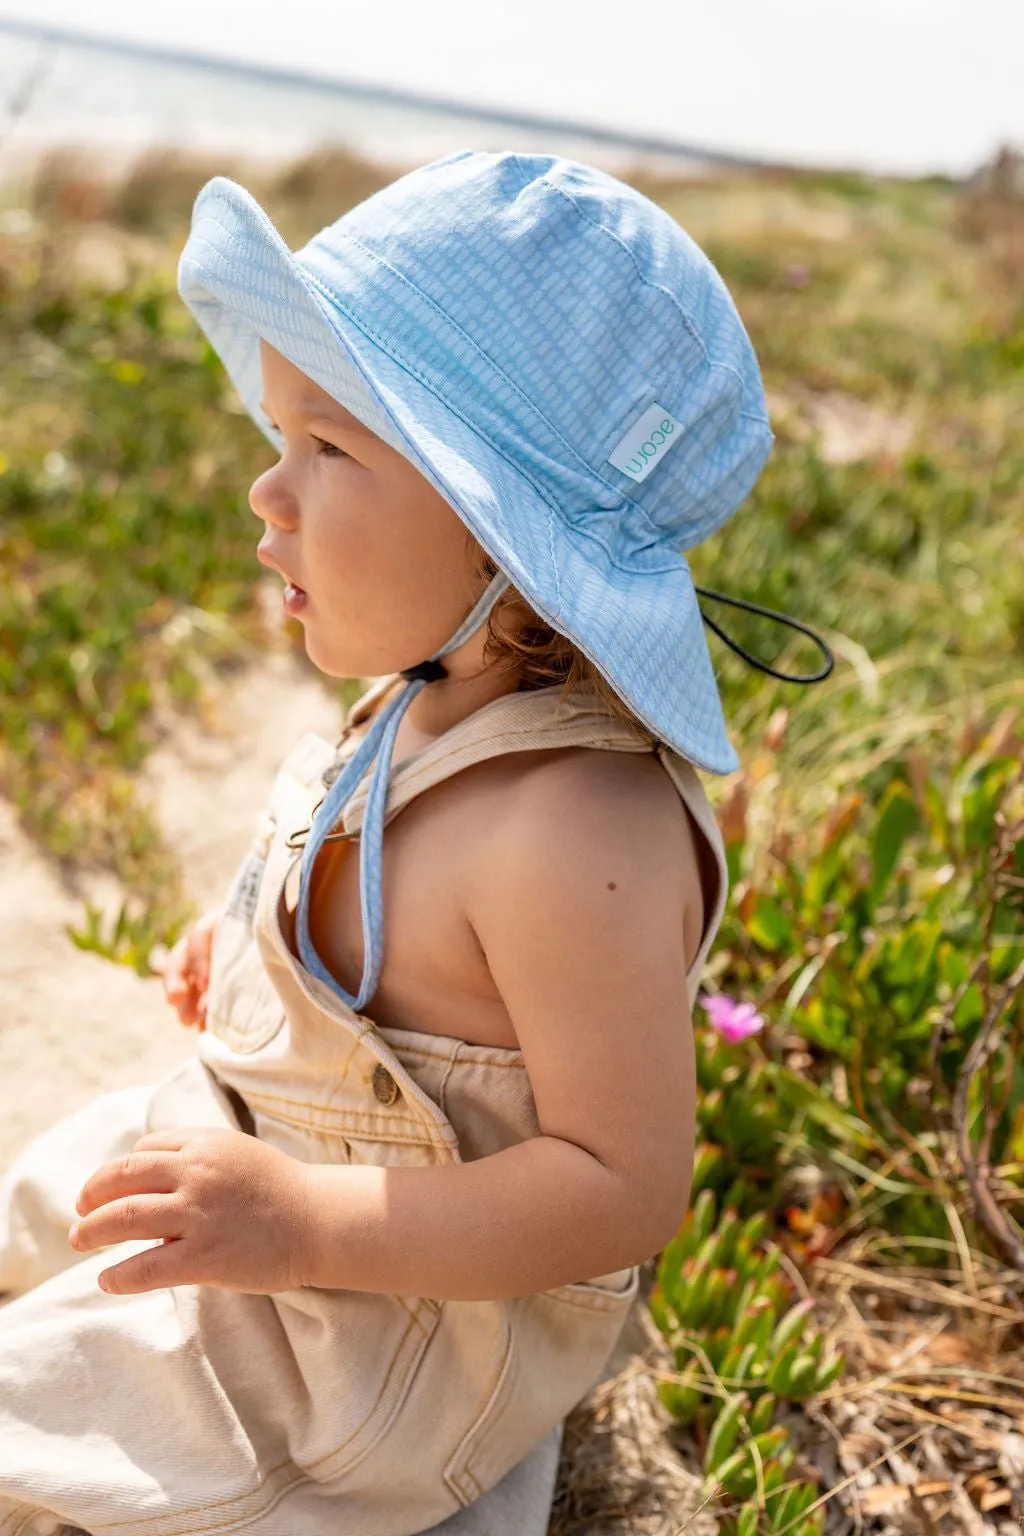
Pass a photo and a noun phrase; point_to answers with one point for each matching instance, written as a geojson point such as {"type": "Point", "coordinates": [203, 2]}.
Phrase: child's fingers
{"type": "Point", "coordinates": [201, 973]}
{"type": "Point", "coordinates": [185, 1003]}
{"type": "Point", "coordinates": [170, 1141]}
{"type": "Point", "coordinates": [146, 1172]}
{"type": "Point", "coordinates": [202, 944]}
{"type": "Point", "coordinates": [177, 987]}
{"type": "Point", "coordinates": [188, 1012]}
{"type": "Point", "coordinates": [207, 924]}
{"type": "Point", "coordinates": [177, 952]}
{"type": "Point", "coordinates": [176, 969]}
{"type": "Point", "coordinates": [128, 1220]}
{"type": "Point", "coordinates": [152, 1270]}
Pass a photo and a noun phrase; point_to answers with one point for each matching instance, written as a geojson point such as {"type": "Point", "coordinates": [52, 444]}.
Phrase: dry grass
{"type": "Point", "coordinates": [625, 1471]}
{"type": "Point", "coordinates": [922, 1436]}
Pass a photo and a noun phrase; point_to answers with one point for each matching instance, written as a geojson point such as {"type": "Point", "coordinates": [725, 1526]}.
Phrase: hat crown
{"type": "Point", "coordinates": [556, 356]}
{"type": "Point", "coordinates": [561, 307]}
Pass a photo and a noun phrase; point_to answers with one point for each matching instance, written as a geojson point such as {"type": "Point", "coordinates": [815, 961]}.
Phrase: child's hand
{"type": "Point", "coordinates": [187, 970]}
{"type": "Point", "coordinates": [231, 1210]}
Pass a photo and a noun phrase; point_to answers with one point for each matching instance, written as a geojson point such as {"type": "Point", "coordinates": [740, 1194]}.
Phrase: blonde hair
{"type": "Point", "coordinates": [518, 640]}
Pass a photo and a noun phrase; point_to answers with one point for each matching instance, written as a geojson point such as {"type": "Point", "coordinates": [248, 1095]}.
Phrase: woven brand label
{"type": "Point", "coordinates": [647, 441]}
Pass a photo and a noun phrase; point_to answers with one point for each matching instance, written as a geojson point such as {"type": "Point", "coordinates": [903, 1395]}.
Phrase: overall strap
{"type": "Point", "coordinates": [516, 722]}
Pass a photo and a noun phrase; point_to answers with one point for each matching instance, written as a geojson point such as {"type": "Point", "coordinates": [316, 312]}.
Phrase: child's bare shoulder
{"type": "Point", "coordinates": [586, 806]}
{"type": "Point", "coordinates": [578, 825]}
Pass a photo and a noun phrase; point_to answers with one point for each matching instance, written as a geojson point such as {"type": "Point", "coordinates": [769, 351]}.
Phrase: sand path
{"type": "Point", "coordinates": [73, 1024]}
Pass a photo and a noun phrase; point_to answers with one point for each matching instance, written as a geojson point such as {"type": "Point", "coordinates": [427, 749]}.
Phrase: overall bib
{"type": "Point", "coordinates": [311, 1412]}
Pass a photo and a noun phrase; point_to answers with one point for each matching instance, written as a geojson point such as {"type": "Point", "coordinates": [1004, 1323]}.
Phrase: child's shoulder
{"type": "Point", "coordinates": [568, 823]}
{"type": "Point", "coordinates": [582, 789]}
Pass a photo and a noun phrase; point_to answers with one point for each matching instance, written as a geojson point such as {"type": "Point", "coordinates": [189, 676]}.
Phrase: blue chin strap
{"type": "Point", "coordinates": [378, 743]}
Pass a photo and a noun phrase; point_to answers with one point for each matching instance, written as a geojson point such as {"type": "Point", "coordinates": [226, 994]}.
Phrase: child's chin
{"type": "Point", "coordinates": [331, 663]}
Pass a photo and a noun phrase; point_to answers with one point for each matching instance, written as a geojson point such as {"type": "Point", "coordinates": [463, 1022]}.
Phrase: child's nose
{"type": "Point", "coordinates": [271, 500]}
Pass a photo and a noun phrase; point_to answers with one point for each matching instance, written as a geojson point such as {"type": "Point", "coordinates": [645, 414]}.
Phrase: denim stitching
{"type": "Point", "coordinates": [351, 1133]}
{"type": "Point", "coordinates": [505, 1384]}
{"type": "Point", "coordinates": [443, 1086]}
{"type": "Point", "coordinates": [202, 1509]}
{"type": "Point", "coordinates": [495, 1402]}
{"type": "Point", "coordinates": [417, 1054]}
{"type": "Point", "coordinates": [337, 1113]}
{"type": "Point", "coordinates": [328, 1456]}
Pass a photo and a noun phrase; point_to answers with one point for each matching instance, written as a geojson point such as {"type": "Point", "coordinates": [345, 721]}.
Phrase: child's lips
{"type": "Point", "coordinates": [265, 559]}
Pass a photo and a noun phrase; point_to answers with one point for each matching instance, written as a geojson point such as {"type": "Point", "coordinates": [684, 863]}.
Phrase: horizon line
{"type": "Point", "coordinates": [385, 94]}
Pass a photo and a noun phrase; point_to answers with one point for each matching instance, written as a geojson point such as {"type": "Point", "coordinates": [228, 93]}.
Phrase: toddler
{"type": "Point", "coordinates": [348, 1269]}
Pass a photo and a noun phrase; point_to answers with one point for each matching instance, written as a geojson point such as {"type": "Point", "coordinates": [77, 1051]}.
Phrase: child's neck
{"type": "Point", "coordinates": [440, 706]}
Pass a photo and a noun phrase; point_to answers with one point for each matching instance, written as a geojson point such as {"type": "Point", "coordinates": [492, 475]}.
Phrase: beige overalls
{"type": "Point", "coordinates": [311, 1412]}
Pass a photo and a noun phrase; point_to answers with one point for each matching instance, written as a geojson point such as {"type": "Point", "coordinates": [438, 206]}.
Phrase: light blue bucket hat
{"type": "Point", "coordinates": [567, 368]}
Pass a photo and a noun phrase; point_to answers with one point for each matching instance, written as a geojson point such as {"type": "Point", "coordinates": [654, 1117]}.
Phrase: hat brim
{"type": "Point", "coordinates": [642, 629]}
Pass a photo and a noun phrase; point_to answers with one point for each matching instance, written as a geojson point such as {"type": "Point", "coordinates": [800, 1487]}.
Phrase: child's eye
{"type": "Point", "coordinates": [329, 449]}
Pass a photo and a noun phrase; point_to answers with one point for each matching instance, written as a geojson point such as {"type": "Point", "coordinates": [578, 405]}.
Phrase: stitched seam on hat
{"type": "Point", "coordinates": [371, 335]}
{"type": "Point", "coordinates": [526, 173]}
{"type": "Point", "coordinates": [627, 570]}
{"type": "Point", "coordinates": [658, 287]}
{"type": "Point", "coordinates": [578, 457]}
{"type": "Point", "coordinates": [653, 529]}
{"type": "Point", "coordinates": [549, 502]}
{"type": "Point", "coordinates": [551, 554]}
{"type": "Point", "coordinates": [446, 317]}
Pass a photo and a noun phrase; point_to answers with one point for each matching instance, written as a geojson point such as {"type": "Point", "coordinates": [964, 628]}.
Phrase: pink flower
{"type": "Point", "coordinates": [734, 1021]}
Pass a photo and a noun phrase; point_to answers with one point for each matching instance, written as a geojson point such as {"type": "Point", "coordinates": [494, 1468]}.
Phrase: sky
{"type": "Point", "coordinates": [908, 86]}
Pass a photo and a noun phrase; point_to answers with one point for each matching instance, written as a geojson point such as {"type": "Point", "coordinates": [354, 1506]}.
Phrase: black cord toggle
{"type": "Point", "coordinates": [778, 618]}
{"type": "Point", "coordinates": [429, 671]}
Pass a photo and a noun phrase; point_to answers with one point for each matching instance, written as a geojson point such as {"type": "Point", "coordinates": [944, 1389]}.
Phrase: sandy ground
{"type": "Point", "coordinates": [72, 1024]}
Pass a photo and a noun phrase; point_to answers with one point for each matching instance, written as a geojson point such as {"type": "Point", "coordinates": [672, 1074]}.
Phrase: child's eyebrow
{"type": "Point", "coordinates": [355, 427]}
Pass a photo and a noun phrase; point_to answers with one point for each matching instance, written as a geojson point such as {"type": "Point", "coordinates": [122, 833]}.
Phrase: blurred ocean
{"type": "Point", "coordinates": [119, 100]}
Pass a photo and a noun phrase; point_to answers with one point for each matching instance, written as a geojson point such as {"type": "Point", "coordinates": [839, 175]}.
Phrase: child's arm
{"type": "Point", "coordinates": [588, 909]}
{"type": "Point", "coordinates": [585, 895]}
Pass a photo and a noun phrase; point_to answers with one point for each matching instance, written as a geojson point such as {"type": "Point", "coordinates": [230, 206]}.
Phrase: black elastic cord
{"type": "Point", "coordinates": [779, 618]}
{"type": "Point", "coordinates": [432, 671]}
{"type": "Point", "coordinates": [429, 671]}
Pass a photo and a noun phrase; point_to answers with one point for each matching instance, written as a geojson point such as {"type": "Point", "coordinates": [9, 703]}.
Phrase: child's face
{"type": "Point", "coordinates": [383, 559]}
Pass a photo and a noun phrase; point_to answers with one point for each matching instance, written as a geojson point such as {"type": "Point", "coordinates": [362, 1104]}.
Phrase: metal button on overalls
{"type": "Point", "coordinates": [384, 1085]}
